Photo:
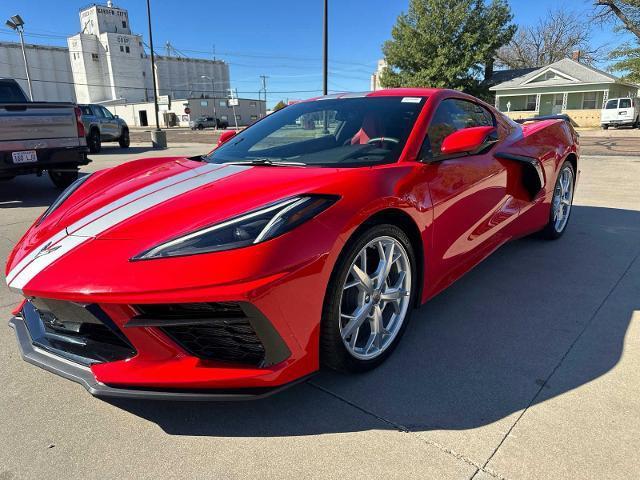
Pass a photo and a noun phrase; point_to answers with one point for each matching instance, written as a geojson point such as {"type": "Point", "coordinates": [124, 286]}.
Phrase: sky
{"type": "Point", "coordinates": [278, 38]}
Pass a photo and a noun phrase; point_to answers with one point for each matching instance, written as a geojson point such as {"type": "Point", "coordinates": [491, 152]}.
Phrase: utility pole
{"type": "Point", "coordinates": [232, 101]}
{"type": "Point", "coordinates": [325, 49]}
{"type": "Point", "coordinates": [158, 137]}
{"type": "Point", "coordinates": [264, 89]}
{"type": "Point", "coordinates": [16, 23]}
{"type": "Point", "coordinates": [213, 94]}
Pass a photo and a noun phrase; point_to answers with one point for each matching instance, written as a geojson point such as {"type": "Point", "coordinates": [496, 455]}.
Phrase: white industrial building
{"type": "Point", "coordinates": [107, 63]}
{"type": "Point", "coordinates": [49, 67]}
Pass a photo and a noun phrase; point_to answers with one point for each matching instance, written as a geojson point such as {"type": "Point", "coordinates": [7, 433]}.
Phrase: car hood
{"type": "Point", "coordinates": [155, 200]}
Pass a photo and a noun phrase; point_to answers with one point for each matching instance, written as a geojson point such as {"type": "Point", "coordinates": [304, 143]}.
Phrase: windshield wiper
{"type": "Point", "coordinates": [266, 162]}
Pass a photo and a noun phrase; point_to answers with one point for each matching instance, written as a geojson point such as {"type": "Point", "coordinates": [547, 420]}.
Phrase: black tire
{"type": "Point", "coordinates": [200, 127]}
{"type": "Point", "coordinates": [605, 127]}
{"type": "Point", "coordinates": [549, 231]}
{"type": "Point", "coordinates": [333, 353]}
{"type": "Point", "coordinates": [62, 179]}
{"type": "Point", "coordinates": [93, 141]}
{"type": "Point", "coordinates": [124, 141]}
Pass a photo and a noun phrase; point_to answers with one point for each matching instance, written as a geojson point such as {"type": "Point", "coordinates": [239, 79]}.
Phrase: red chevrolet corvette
{"type": "Point", "coordinates": [304, 241]}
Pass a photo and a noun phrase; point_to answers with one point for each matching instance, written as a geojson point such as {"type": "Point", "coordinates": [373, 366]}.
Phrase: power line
{"type": "Point", "coordinates": [147, 88]}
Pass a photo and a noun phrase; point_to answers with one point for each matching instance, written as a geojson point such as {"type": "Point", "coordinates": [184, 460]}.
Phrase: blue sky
{"type": "Point", "coordinates": [280, 38]}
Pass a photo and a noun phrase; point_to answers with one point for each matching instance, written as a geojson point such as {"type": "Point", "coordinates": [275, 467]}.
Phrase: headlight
{"type": "Point", "coordinates": [248, 229]}
{"type": "Point", "coordinates": [63, 196]}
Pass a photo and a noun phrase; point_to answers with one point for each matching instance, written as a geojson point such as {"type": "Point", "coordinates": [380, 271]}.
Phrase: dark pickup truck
{"type": "Point", "coordinates": [39, 136]}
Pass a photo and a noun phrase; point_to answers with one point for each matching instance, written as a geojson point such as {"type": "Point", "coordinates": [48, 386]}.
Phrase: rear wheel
{"type": "Point", "coordinates": [369, 300]}
{"type": "Point", "coordinates": [93, 141]}
{"type": "Point", "coordinates": [62, 179]}
{"type": "Point", "coordinates": [561, 202]}
{"type": "Point", "coordinates": [124, 140]}
{"type": "Point", "coordinates": [200, 127]}
{"type": "Point", "coordinates": [605, 127]}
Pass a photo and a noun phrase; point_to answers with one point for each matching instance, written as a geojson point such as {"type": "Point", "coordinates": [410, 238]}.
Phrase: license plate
{"type": "Point", "coordinates": [28, 156]}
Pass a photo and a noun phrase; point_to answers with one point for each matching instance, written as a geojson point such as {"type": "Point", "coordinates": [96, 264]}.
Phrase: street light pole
{"type": "Point", "coordinates": [153, 67]}
{"type": "Point", "coordinates": [213, 93]}
{"type": "Point", "coordinates": [16, 23]}
{"type": "Point", "coordinates": [325, 49]}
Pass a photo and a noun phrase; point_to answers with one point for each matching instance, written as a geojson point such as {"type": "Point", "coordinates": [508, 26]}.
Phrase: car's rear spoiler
{"type": "Point", "coordinates": [564, 117]}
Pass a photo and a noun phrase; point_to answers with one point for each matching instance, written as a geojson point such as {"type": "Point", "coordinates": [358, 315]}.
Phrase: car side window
{"type": "Point", "coordinates": [86, 111]}
{"type": "Point", "coordinates": [624, 103]}
{"type": "Point", "coordinates": [106, 113]}
{"type": "Point", "coordinates": [453, 114]}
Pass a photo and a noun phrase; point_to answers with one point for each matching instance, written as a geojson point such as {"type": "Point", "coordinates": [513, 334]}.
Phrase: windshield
{"type": "Point", "coordinates": [611, 104]}
{"type": "Point", "coordinates": [328, 132]}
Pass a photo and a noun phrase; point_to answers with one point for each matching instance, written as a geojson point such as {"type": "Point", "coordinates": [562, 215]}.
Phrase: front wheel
{"type": "Point", "coordinates": [62, 179]}
{"type": "Point", "coordinates": [561, 202]}
{"type": "Point", "coordinates": [369, 300]}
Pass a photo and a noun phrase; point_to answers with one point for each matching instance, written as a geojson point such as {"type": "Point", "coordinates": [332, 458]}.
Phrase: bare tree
{"type": "Point", "coordinates": [553, 38]}
{"type": "Point", "coordinates": [627, 11]}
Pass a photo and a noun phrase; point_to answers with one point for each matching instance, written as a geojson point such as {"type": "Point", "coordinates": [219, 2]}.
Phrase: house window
{"type": "Point", "coordinates": [124, 24]}
{"type": "Point", "coordinates": [589, 100]}
{"type": "Point", "coordinates": [254, 118]}
{"type": "Point", "coordinates": [121, 48]}
{"type": "Point", "coordinates": [128, 50]}
{"type": "Point", "coordinates": [238, 117]}
{"type": "Point", "coordinates": [224, 118]}
{"type": "Point", "coordinates": [223, 103]}
{"type": "Point", "coordinates": [204, 103]}
{"type": "Point", "coordinates": [530, 103]}
{"type": "Point", "coordinates": [252, 104]}
{"type": "Point", "coordinates": [94, 57]}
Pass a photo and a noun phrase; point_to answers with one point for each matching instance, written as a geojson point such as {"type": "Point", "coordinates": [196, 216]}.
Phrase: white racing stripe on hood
{"type": "Point", "coordinates": [111, 206]}
{"type": "Point", "coordinates": [111, 215]}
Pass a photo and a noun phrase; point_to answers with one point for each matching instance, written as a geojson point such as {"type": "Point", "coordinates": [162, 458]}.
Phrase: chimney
{"type": "Point", "coordinates": [575, 55]}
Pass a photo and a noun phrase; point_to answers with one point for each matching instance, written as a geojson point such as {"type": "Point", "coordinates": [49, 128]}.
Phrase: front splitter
{"type": "Point", "coordinates": [83, 375]}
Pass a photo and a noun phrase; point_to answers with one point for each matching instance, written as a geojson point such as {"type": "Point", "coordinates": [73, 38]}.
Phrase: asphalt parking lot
{"type": "Point", "coordinates": [527, 368]}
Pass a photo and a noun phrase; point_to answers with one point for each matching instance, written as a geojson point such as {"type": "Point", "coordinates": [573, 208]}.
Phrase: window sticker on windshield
{"type": "Point", "coordinates": [411, 99]}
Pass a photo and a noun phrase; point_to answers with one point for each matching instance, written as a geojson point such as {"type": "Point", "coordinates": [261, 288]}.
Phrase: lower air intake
{"type": "Point", "coordinates": [212, 331]}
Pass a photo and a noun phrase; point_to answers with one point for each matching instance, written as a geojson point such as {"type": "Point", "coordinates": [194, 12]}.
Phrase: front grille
{"type": "Point", "coordinates": [82, 333]}
{"type": "Point", "coordinates": [219, 331]}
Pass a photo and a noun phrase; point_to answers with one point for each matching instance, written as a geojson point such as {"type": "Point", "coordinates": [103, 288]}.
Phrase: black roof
{"type": "Point", "coordinates": [500, 76]}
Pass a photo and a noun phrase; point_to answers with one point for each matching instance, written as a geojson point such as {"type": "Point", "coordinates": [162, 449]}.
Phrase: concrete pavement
{"type": "Point", "coordinates": [524, 369]}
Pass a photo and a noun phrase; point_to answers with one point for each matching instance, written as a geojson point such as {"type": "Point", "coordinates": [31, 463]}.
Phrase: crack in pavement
{"type": "Point", "coordinates": [403, 429]}
{"type": "Point", "coordinates": [561, 361]}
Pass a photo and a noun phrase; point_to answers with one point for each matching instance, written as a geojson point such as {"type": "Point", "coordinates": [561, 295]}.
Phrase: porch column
{"type": "Point", "coordinates": [605, 97]}
{"type": "Point", "coordinates": [538, 103]}
{"type": "Point", "coordinates": [565, 95]}
{"type": "Point", "coordinates": [497, 102]}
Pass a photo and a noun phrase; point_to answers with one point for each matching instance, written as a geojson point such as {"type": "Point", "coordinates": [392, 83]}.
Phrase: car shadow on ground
{"type": "Point", "coordinates": [29, 191]}
{"type": "Point", "coordinates": [476, 353]}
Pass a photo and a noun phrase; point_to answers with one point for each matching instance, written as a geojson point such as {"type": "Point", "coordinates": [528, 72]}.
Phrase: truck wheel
{"type": "Point", "coordinates": [124, 139]}
{"type": "Point", "coordinates": [605, 127]}
{"type": "Point", "coordinates": [200, 127]}
{"type": "Point", "coordinates": [62, 179]}
{"type": "Point", "coordinates": [93, 141]}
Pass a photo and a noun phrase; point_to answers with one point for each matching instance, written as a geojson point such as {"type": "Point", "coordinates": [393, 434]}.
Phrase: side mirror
{"type": "Point", "coordinates": [226, 136]}
{"type": "Point", "coordinates": [468, 141]}
{"type": "Point", "coordinates": [116, 116]}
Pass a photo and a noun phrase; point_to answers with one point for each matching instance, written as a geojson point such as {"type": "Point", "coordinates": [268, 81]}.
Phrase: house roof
{"type": "Point", "coordinates": [567, 72]}
{"type": "Point", "coordinates": [501, 76]}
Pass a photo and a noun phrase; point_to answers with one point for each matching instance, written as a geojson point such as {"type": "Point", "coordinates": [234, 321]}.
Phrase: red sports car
{"type": "Point", "coordinates": [304, 241]}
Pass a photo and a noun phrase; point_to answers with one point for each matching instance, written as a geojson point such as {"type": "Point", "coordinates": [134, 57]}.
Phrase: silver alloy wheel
{"type": "Point", "coordinates": [375, 298]}
{"type": "Point", "coordinates": [562, 199]}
